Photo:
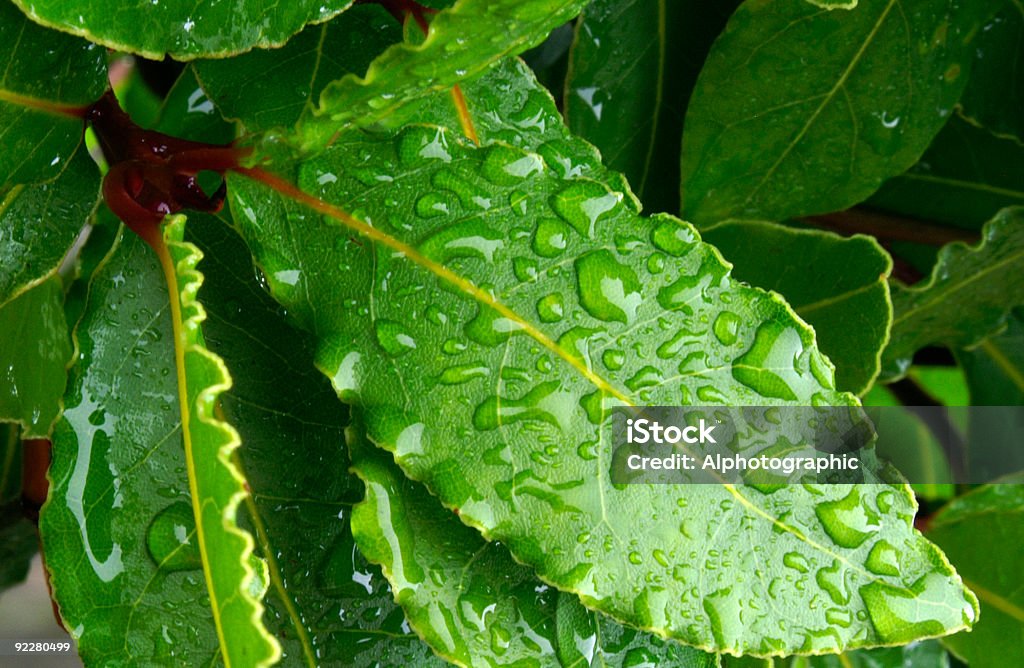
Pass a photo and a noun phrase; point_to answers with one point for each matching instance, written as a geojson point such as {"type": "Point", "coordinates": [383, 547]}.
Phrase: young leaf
{"type": "Point", "coordinates": [837, 285]}
{"type": "Point", "coordinates": [182, 29]}
{"type": "Point", "coordinates": [409, 71]}
{"type": "Point", "coordinates": [482, 323]}
{"type": "Point", "coordinates": [798, 111]}
{"type": "Point", "coordinates": [39, 223]}
{"type": "Point", "coordinates": [969, 295]}
{"type": "Point", "coordinates": [47, 82]}
{"type": "Point", "coordinates": [965, 176]}
{"type": "Point", "coordinates": [994, 96]}
{"type": "Point", "coordinates": [326, 604]}
{"type": "Point", "coordinates": [632, 67]}
{"type": "Point", "coordinates": [982, 533]}
{"type": "Point", "coordinates": [34, 351]}
{"type": "Point", "coordinates": [468, 599]}
{"type": "Point", "coordinates": [122, 488]}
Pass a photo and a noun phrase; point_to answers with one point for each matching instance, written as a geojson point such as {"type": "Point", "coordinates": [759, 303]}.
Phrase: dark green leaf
{"type": "Point", "coordinates": [995, 367]}
{"type": "Point", "coordinates": [632, 68]}
{"type": "Point", "coordinates": [182, 29]}
{"type": "Point", "coordinates": [982, 533]}
{"type": "Point", "coordinates": [18, 538]}
{"type": "Point", "coordinates": [34, 350]}
{"type": "Point", "coordinates": [994, 96]}
{"type": "Point", "coordinates": [800, 110]}
{"type": "Point", "coordinates": [927, 654]}
{"type": "Point", "coordinates": [837, 285]}
{"type": "Point", "coordinates": [470, 601]}
{"type": "Point", "coordinates": [969, 295]}
{"type": "Point", "coordinates": [47, 81]}
{"type": "Point", "coordinates": [964, 177]}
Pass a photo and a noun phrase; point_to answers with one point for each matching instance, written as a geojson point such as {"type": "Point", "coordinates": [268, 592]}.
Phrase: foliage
{"type": "Point", "coordinates": [351, 403]}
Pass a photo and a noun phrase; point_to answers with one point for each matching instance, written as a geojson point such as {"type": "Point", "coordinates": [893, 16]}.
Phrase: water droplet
{"type": "Point", "coordinates": [608, 290]}
{"type": "Point", "coordinates": [648, 376]}
{"type": "Point", "coordinates": [583, 203]}
{"type": "Point", "coordinates": [726, 327]}
{"type": "Point", "coordinates": [897, 612]}
{"type": "Point", "coordinates": [453, 347]}
{"type": "Point", "coordinates": [463, 373]}
{"type": "Point", "coordinates": [171, 539]}
{"type": "Point", "coordinates": [432, 205]}
{"type": "Point", "coordinates": [392, 337]}
{"type": "Point", "coordinates": [525, 269]}
{"type": "Point", "coordinates": [796, 561]}
{"type": "Point", "coordinates": [469, 238]}
{"type": "Point", "coordinates": [673, 237]}
{"type": "Point", "coordinates": [491, 328]}
{"type": "Point", "coordinates": [656, 263]}
{"type": "Point", "coordinates": [847, 522]}
{"type": "Point", "coordinates": [660, 557]}
{"type": "Point", "coordinates": [883, 559]}
{"type": "Point", "coordinates": [635, 558]}
{"type": "Point", "coordinates": [551, 308]}
{"type": "Point", "coordinates": [776, 346]}
{"type": "Point", "coordinates": [551, 237]}
{"type": "Point", "coordinates": [544, 403]}
{"type": "Point", "coordinates": [613, 359]}
{"type": "Point", "coordinates": [506, 166]}
{"type": "Point", "coordinates": [421, 144]}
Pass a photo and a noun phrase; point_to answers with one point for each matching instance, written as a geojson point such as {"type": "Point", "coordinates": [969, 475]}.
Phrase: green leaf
{"type": "Point", "coordinates": [34, 351]}
{"type": "Point", "coordinates": [481, 323]}
{"type": "Point", "coordinates": [261, 88]}
{"type": "Point", "coordinates": [39, 223]}
{"type": "Point", "coordinates": [837, 285]}
{"type": "Point", "coordinates": [18, 538]}
{"type": "Point", "coordinates": [122, 488]}
{"type": "Point", "coordinates": [182, 29]}
{"type": "Point", "coordinates": [187, 111]}
{"type": "Point", "coordinates": [47, 82]}
{"type": "Point", "coordinates": [326, 603]}
{"type": "Point", "coordinates": [799, 110]}
{"type": "Point", "coordinates": [995, 367]}
{"type": "Point", "coordinates": [927, 654]}
{"type": "Point", "coordinates": [632, 67]}
{"type": "Point", "coordinates": [464, 41]}
{"type": "Point", "coordinates": [994, 96]}
{"type": "Point", "coordinates": [968, 296]}
{"type": "Point", "coordinates": [965, 176]}
{"type": "Point", "coordinates": [468, 599]}
{"type": "Point", "coordinates": [982, 533]}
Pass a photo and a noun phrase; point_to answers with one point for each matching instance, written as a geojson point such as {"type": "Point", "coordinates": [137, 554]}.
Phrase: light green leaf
{"type": "Point", "coordinates": [34, 351]}
{"type": "Point", "coordinates": [632, 67]}
{"type": "Point", "coordinates": [468, 599]}
{"type": "Point", "coordinates": [262, 89]}
{"type": "Point", "coordinates": [182, 29]}
{"type": "Point", "coordinates": [326, 604]}
{"type": "Point", "coordinates": [994, 96]}
{"type": "Point", "coordinates": [965, 176]}
{"type": "Point", "coordinates": [39, 223]}
{"type": "Point", "coordinates": [464, 41]}
{"type": "Point", "coordinates": [968, 296]}
{"type": "Point", "coordinates": [800, 110]}
{"type": "Point", "coordinates": [837, 285]}
{"type": "Point", "coordinates": [982, 533]}
{"type": "Point", "coordinates": [122, 488]}
{"type": "Point", "coordinates": [47, 82]}
{"type": "Point", "coordinates": [482, 322]}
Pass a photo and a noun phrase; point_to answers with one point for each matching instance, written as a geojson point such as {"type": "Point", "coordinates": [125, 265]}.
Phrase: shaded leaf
{"type": "Point", "coordinates": [47, 81]}
{"type": "Point", "coordinates": [994, 96]}
{"type": "Point", "coordinates": [982, 533]}
{"type": "Point", "coordinates": [995, 367]}
{"type": "Point", "coordinates": [964, 177]}
{"type": "Point", "coordinates": [837, 285]}
{"type": "Point", "coordinates": [632, 68]}
{"type": "Point", "coordinates": [182, 29]}
{"type": "Point", "coordinates": [34, 350]}
{"type": "Point", "coordinates": [470, 601]}
{"type": "Point", "coordinates": [800, 110]}
{"type": "Point", "coordinates": [261, 88]}
{"type": "Point", "coordinates": [968, 296]}
{"type": "Point", "coordinates": [18, 536]}
{"type": "Point", "coordinates": [326, 603]}
{"type": "Point", "coordinates": [927, 654]}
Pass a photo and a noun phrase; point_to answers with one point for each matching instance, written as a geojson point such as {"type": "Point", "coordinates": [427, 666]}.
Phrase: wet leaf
{"type": "Point", "coordinates": [837, 285]}
{"type": "Point", "coordinates": [994, 96]}
{"type": "Point", "coordinates": [968, 296]}
{"type": "Point", "coordinates": [796, 111]}
{"type": "Point", "coordinates": [982, 532]}
{"type": "Point", "coordinates": [123, 488]}
{"type": "Point", "coordinates": [927, 654]}
{"type": "Point", "coordinates": [470, 601]}
{"type": "Point", "coordinates": [182, 29]}
{"type": "Point", "coordinates": [34, 349]}
{"type": "Point", "coordinates": [48, 80]}
{"type": "Point", "coordinates": [632, 67]}
{"type": "Point", "coordinates": [481, 323]}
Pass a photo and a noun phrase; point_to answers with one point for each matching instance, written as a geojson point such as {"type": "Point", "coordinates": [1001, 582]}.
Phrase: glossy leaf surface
{"type": "Point", "coordinates": [982, 532]}
{"type": "Point", "coordinates": [34, 349]}
{"type": "Point", "coordinates": [632, 67]}
{"type": "Point", "coordinates": [471, 602]}
{"type": "Point", "coordinates": [409, 71]}
{"type": "Point", "coordinates": [47, 81]}
{"type": "Point", "coordinates": [837, 285]}
{"type": "Point", "coordinates": [968, 297]}
{"type": "Point", "coordinates": [182, 29]}
{"type": "Point", "coordinates": [796, 111]}
{"type": "Point", "coordinates": [326, 603]}
{"type": "Point", "coordinates": [482, 322]}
